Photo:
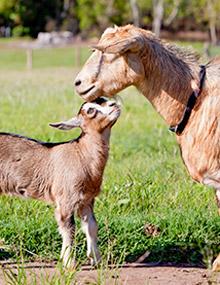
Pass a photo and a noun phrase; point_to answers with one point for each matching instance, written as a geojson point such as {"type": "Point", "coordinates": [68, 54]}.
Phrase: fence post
{"type": "Point", "coordinates": [29, 62]}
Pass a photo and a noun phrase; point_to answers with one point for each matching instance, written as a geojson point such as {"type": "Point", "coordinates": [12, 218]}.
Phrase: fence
{"type": "Point", "coordinates": [16, 57]}
{"type": "Point", "coordinates": [77, 50]}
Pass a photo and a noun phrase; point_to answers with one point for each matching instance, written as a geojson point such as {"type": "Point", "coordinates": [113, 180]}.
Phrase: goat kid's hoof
{"type": "Point", "coordinates": [70, 266]}
{"type": "Point", "coordinates": [216, 264]}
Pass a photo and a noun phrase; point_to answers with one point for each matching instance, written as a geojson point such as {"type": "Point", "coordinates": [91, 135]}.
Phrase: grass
{"type": "Point", "coordinates": [145, 180]}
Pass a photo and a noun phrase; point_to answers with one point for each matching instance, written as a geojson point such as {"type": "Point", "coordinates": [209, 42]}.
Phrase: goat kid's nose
{"type": "Point", "coordinates": [78, 82]}
{"type": "Point", "coordinates": [111, 104]}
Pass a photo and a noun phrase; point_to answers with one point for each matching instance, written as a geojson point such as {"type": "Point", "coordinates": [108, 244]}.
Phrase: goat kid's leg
{"type": "Point", "coordinates": [67, 229]}
{"type": "Point", "coordinates": [90, 228]}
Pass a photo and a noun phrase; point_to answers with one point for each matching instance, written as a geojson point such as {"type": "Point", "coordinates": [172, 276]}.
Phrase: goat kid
{"type": "Point", "coordinates": [67, 174]}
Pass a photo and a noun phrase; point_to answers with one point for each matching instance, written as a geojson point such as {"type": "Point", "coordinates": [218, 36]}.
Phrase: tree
{"type": "Point", "coordinates": [102, 14]}
{"type": "Point", "coordinates": [158, 11]}
{"type": "Point", "coordinates": [135, 12]}
{"type": "Point", "coordinates": [69, 16]}
{"type": "Point", "coordinates": [173, 12]}
{"type": "Point", "coordinates": [35, 14]}
{"type": "Point", "coordinates": [7, 8]}
{"type": "Point", "coordinates": [91, 17]}
{"type": "Point", "coordinates": [29, 15]}
{"type": "Point", "coordinates": [213, 9]}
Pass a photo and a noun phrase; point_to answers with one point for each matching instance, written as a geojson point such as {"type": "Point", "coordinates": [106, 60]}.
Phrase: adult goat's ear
{"type": "Point", "coordinates": [133, 44]}
{"type": "Point", "coordinates": [67, 125]}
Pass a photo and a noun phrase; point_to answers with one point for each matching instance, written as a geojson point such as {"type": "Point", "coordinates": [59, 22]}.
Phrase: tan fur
{"type": "Point", "coordinates": [69, 175]}
{"type": "Point", "coordinates": [166, 76]}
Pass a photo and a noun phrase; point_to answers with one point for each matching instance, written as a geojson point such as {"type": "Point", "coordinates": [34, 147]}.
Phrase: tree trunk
{"type": "Point", "coordinates": [212, 22]}
{"type": "Point", "coordinates": [157, 16]}
{"type": "Point", "coordinates": [173, 13]}
{"type": "Point", "coordinates": [135, 12]}
{"type": "Point", "coordinates": [213, 33]}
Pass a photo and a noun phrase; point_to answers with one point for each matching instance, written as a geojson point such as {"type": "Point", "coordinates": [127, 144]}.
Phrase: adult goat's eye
{"type": "Point", "coordinates": [90, 110]}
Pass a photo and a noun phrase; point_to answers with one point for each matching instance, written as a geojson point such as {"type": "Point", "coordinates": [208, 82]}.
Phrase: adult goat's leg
{"type": "Point", "coordinates": [216, 264]}
{"type": "Point", "coordinates": [214, 181]}
{"type": "Point", "coordinates": [67, 229]}
{"type": "Point", "coordinates": [90, 228]}
{"type": "Point", "coordinates": [218, 199]}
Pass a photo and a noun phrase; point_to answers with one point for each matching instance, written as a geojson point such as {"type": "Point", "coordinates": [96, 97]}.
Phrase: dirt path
{"type": "Point", "coordinates": [136, 274]}
{"type": "Point", "coordinates": [129, 274]}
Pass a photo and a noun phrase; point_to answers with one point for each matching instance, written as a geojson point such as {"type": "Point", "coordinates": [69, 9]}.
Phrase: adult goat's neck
{"type": "Point", "coordinates": [169, 75]}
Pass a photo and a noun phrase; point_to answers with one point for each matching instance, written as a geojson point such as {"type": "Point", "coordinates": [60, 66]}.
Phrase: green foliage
{"type": "Point", "coordinates": [7, 11]}
{"type": "Point", "coordinates": [33, 14]}
{"type": "Point", "coordinates": [102, 14]}
{"type": "Point", "coordinates": [86, 14]}
{"type": "Point", "coordinates": [6, 6]}
{"type": "Point", "coordinates": [19, 31]}
{"type": "Point", "coordinates": [29, 15]}
{"type": "Point", "coordinates": [92, 17]}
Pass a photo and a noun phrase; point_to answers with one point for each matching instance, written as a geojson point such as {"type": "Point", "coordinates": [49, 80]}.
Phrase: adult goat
{"type": "Point", "coordinates": [185, 95]}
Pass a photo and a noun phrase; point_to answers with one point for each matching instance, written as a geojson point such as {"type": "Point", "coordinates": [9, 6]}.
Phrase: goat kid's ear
{"type": "Point", "coordinates": [121, 46]}
{"type": "Point", "coordinates": [67, 125]}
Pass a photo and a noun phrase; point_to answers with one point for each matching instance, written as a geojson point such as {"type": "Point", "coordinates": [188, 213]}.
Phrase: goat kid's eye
{"type": "Point", "coordinates": [90, 111]}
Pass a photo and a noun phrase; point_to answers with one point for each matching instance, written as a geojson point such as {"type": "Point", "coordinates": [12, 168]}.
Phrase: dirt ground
{"type": "Point", "coordinates": [128, 274]}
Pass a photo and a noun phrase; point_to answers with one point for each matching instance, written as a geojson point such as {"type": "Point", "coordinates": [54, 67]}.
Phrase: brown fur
{"type": "Point", "coordinates": [69, 174]}
{"type": "Point", "coordinates": [166, 76]}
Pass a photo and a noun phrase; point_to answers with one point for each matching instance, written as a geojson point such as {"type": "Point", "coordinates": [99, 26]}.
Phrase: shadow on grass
{"type": "Point", "coordinates": [5, 255]}
{"type": "Point", "coordinates": [167, 255]}
{"type": "Point", "coordinates": [175, 256]}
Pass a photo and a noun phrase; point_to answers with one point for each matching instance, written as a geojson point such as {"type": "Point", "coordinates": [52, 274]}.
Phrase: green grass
{"type": "Point", "coordinates": [145, 180]}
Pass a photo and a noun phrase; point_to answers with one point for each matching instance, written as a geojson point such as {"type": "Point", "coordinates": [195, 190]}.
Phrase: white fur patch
{"type": "Point", "coordinates": [106, 110]}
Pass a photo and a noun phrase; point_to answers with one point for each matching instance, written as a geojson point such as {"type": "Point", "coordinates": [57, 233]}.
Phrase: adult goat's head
{"type": "Point", "coordinates": [113, 65]}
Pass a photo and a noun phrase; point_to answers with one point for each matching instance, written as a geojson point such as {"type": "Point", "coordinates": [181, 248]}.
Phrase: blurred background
{"type": "Point", "coordinates": [32, 25]}
{"type": "Point", "coordinates": [89, 18]}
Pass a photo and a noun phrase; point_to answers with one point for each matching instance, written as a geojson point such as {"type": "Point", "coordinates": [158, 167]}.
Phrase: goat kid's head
{"type": "Point", "coordinates": [95, 116]}
{"type": "Point", "coordinates": [114, 64]}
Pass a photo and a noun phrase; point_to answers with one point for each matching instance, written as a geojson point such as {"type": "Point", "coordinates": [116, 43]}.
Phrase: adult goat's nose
{"type": "Point", "coordinates": [77, 82]}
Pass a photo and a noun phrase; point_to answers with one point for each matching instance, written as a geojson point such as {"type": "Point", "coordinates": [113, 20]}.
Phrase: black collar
{"type": "Point", "coordinates": [178, 129]}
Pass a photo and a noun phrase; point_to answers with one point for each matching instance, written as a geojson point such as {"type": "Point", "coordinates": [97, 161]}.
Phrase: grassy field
{"type": "Point", "coordinates": [145, 180]}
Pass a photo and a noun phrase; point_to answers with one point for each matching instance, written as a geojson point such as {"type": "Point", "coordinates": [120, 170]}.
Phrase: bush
{"type": "Point", "coordinates": [20, 31]}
